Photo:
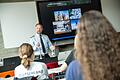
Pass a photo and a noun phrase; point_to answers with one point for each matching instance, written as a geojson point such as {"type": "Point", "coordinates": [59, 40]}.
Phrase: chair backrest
{"type": "Point", "coordinates": [11, 61]}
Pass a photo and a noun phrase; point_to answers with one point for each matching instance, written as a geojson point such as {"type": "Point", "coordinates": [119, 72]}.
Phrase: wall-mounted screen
{"type": "Point", "coordinates": [60, 18]}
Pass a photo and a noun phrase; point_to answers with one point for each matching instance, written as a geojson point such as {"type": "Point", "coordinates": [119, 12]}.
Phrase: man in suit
{"type": "Point", "coordinates": [41, 43]}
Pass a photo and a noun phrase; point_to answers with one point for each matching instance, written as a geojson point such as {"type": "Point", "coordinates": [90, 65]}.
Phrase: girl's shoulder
{"type": "Point", "coordinates": [38, 64]}
{"type": "Point", "coordinates": [75, 62]}
{"type": "Point", "coordinates": [20, 67]}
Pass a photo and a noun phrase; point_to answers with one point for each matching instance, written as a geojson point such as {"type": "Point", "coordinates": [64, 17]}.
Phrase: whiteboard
{"type": "Point", "coordinates": [17, 22]}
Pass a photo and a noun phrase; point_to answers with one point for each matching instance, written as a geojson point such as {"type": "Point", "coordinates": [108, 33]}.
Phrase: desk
{"type": "Point", "coordinates": [54, 70]}
{"type": "Point", "coordinates": [47, 60]}
{"type": "Point", "coordinates": [56, 74]}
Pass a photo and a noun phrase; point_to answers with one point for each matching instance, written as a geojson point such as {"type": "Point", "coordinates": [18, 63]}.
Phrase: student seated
{"type": "Point", "coordinates": [69, 59]}
{"type": "Point", "coordinates": [29, 68]}
{"type": "Point", "coordinates": [97, 50]}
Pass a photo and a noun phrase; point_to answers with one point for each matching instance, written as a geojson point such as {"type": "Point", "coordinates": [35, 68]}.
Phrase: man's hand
{"type": "Point", "coordinates": [52, 48]}
{"type": "Point", "coordinates": [53, 53]}
{"type": "Point", "coordinates": [43, 54]}
{"type": "Point", "coordinates": [38, 45]}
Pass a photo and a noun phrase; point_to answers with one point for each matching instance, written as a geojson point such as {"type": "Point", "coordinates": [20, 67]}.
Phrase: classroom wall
{"type": "Point", "coordinates": [111, 9]}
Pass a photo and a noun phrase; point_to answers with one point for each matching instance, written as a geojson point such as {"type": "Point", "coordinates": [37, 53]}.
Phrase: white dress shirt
{"type": "Point", "coordinates": [35, 40]}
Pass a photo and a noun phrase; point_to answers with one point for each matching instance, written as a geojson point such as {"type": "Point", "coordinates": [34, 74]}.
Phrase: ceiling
{"type": "Point", "coordinates": [6, 1]}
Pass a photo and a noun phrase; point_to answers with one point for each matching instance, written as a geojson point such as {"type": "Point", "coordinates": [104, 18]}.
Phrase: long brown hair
{"type": "Point", "coordinates": [26, 53]}
{"type": "Point", "coordinates": [95, 47]}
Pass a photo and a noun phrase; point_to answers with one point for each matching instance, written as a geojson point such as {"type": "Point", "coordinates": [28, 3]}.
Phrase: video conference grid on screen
{"type": "Point", "coordinates": [66, 20]}
{"type": "Point", "coordinates": [60, 17]}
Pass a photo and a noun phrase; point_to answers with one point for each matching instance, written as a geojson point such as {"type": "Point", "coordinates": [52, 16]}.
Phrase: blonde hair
{"type": "Point", "coordinates": [96, 48]}
{"type": "Point", "coordinates": [25, 52]}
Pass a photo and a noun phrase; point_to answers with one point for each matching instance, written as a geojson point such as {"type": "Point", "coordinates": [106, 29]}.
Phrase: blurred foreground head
{"type": "Point", "coordinates": [97, 48]}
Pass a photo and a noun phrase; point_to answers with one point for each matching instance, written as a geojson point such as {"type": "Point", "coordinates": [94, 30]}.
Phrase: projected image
{"type": "Point", "coordinates": [61, 27]}
{"type": "Point", "coordinates": [75, 13]}
{"type": "Point", "coordinates": [61, 15]}
{"type": "Point", "coordinates": [66, 20]}
{"type": "Point", "coordinates": [74, 24]}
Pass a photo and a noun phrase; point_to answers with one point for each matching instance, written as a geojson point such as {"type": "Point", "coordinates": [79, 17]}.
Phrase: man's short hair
{"type": "Point", "coordinates": [38, 24]}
